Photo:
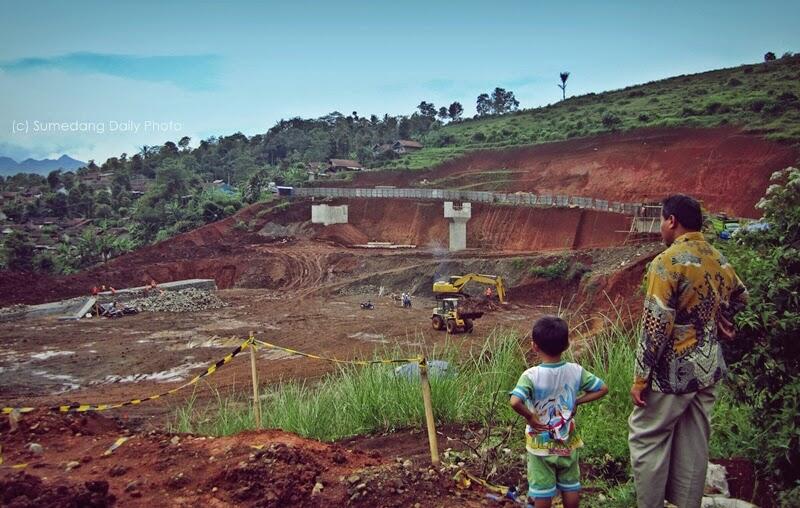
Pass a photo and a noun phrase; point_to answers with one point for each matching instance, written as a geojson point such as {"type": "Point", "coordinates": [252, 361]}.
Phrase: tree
{"type": "Point", "coordinates": [444, 114]}
{"type": "Point", "coordinates": [455, 110]}
{"type": "Point", "coordinates": [769, 56]}
{"type": "Point", "coordinates": [56, 202]}
{"type": "Point", "coordinates": [184, 143]}
{"type": "Point", "coordinates": [427, 109]}
{"type": "Point", "coordinates": [484, 106]}
{"type": "Point", "coordinates": [503, 101]}
{"type": "Point", "coordinates": [68, 180]}
{"type": "Point", "coordinates": [563, 86]}
{"type": "Point", "coordinates": [172, 178]}
{"type": "Point", "coordinates": [19, 252]}
{"type": "Point", "coordinates": [54, 179]}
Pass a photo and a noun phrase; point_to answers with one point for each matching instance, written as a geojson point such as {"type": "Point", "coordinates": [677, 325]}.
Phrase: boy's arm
{"type": "Point", "coordinates": [519, 406]}
{"type": "Point", "coordinates": [593, 387]}
{"type": "Point", "coordinates": [522, 392]}
{"type": "Point", "coordinates": [589, 397]}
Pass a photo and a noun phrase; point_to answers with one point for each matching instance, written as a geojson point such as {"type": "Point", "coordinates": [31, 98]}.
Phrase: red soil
{"type": "Point", "coordinates": [726, 169]}
{"type": "Point", "coordinates": [237, 256]}
{"type": "Point", "coordinates": [492, 228]}
{"type": "Point", "coordinates": [258, 468]}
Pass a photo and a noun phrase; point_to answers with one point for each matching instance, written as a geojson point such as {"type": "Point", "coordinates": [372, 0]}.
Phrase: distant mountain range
{"type": "Point", "coordinates": [9, 166]}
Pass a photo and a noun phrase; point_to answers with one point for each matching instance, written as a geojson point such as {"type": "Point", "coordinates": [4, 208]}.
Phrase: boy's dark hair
{"type": "Point", "coordinates": [551, 334]}
{"type": "Point", "coordinates": [686, 210]}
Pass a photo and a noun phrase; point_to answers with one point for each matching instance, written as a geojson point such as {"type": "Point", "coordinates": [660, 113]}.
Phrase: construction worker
{"type": "Point", "coordinates": [489, 293]}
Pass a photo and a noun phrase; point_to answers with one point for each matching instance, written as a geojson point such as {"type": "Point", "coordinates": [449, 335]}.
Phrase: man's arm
{"type": "Point", "coordinates": [726, 330]}
{"type": "Point", "coordinates": [657, 322]}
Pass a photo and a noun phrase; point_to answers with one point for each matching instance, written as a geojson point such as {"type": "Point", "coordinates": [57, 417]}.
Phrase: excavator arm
{"type": "Point", "coordinates": [457, 283]}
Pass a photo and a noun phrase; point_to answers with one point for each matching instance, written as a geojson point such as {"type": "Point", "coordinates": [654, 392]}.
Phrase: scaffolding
{"type": "Point", "coordinates": [645, 224]}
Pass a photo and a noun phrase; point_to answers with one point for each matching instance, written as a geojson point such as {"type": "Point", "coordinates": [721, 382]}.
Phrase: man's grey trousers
{"type": "Point", "coordinates": [668, 441]}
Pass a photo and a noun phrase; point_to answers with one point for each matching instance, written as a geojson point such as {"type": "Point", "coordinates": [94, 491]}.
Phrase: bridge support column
{"type": "Point", "coordinates": [458, 215]}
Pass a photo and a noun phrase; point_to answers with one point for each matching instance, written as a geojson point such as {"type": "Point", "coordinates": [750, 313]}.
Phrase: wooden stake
{"type": "Point", "coordinates": [426, 401]}
{"type": "Point", "coordinates": [254, 375]}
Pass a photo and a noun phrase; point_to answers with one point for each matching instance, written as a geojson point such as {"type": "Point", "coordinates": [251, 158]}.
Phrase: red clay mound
{"type": "Point", "coordinates": [725, 168]}
{"type": "Point", "coordinates": [494, 228]}
{"type": "Point", "coordinates": [342, 234]}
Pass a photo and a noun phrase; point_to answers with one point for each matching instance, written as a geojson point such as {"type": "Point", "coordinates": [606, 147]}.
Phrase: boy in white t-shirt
{"type": "Point", "coordinates": [547, 397]}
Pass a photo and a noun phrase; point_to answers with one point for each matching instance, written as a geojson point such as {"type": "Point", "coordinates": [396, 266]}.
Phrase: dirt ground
{"type": "Point", "coordinates": [47, 361]}
{"type": "Point", "coordinates": [69, 461]}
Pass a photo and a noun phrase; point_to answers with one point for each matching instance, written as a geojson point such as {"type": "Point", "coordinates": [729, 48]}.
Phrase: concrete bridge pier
{"type": "Point", "coordinates": [458, 215]}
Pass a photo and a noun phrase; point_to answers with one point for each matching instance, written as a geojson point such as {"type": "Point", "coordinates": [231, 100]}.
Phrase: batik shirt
{"type": "Point", "coordinates": [549, 391]}
{"type": "Point", "coordinates": [689, 286]}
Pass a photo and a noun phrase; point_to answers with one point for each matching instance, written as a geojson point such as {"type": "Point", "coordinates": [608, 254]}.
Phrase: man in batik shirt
{"type": "Point", "coordinates": [692, 296]}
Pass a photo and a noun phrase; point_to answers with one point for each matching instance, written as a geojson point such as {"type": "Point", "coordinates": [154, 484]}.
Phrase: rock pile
{"type": "Point", "coordinates": [184, 300]}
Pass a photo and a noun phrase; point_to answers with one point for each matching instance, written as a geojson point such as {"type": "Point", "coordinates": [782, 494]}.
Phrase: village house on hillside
{"type": "Point", "coordinates": [140, 184]}
{"type": "Point", "coordinates": [337, 165]}
{"type": "Point", "coordinates": [96, 180]}
{"type": "Point", "coordinates": [401, 146]}
{"type": "Point", "coordinates": [333, 168]}
{"type": "Point", "coordinates": [406, 145]}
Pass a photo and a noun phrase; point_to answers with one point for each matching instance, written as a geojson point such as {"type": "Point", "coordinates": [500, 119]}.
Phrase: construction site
{"type": "Point", "coordinates": [388, 261]}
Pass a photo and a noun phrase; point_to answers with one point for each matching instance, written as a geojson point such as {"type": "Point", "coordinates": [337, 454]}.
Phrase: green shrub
{"type": "Point", "coordinates": [611, 121]}
{"type": "Point", "coordinates": [757, 105]}
{"type": "Point", "coordinates": [765, 355]}
{"type": "Point", "coordinates": [560, 269]}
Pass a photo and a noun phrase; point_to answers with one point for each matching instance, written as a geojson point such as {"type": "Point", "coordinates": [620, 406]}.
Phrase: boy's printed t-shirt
{"type": "Point", "coordinates": [549, 391]}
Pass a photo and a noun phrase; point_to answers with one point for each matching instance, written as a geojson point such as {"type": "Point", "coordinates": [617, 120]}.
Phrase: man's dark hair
{"type": "Point", "coordinates": [551, 334]}
{"type": "Point", "coordinates": [685, 209]}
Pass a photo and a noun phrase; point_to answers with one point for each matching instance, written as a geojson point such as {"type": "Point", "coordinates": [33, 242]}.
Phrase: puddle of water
{"type": "Point", "coordinates": [68, 383]}
{"type": "Point", "coordinates": [213, 342]}
{"type": "Point", "coordinates": [277, 354]}
{"type": "Point", "coordinates": [51, 354]}
{"type": "Point", "coordinates": [227, 324]}
{"type": "Point", "coordinates": [172, 375]}
{"type": "Point", "coordinates": [167, 334]}
{"type": "Point", "coordinates": [369, 337]}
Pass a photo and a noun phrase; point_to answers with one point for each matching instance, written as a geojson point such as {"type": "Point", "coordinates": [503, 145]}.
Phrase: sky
{"type": "Point", "coordinates": [94, 79]}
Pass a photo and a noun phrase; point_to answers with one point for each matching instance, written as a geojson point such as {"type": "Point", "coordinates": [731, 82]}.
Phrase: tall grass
{"type": "Point", "coordinates": [363, 400]}
{"type": "Point", "coordinates": [359, 400]}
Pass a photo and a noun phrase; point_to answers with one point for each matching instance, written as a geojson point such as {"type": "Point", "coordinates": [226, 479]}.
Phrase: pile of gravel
{"type": "Point", "coordinates": [184, 300]}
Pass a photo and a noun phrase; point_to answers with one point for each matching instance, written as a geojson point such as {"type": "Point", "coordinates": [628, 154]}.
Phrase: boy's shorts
{"type": "Point", "coordinates": [547, 474]}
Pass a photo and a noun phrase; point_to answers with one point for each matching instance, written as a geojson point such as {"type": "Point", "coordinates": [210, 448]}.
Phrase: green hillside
{"type": "Point", "coordinates": [761, 98]}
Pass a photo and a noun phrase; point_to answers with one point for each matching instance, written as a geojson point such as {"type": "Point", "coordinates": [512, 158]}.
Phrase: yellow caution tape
{"type": "Point", "coordinates": [82, 408]}
{"type": "Point", "coordinates": [119, 442]}
{"type": "Point", "coordinates": [418, 359]}
{"type": "Point", "coordinates": [13, 466]}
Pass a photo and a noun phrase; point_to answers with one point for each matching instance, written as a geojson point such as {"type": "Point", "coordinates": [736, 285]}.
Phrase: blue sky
{"type": "Point", "coordinates": [213, 68]}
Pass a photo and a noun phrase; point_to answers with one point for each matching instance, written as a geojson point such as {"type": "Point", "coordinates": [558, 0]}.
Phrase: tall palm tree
{"type": "Point", "coordinates": [563, 85]}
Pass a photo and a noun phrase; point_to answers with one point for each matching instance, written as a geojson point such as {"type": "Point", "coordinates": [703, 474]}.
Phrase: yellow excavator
{"type": "Point", "coordinates": [454, 287]}
{"type": "Point", "coordinates": [448, 315]}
